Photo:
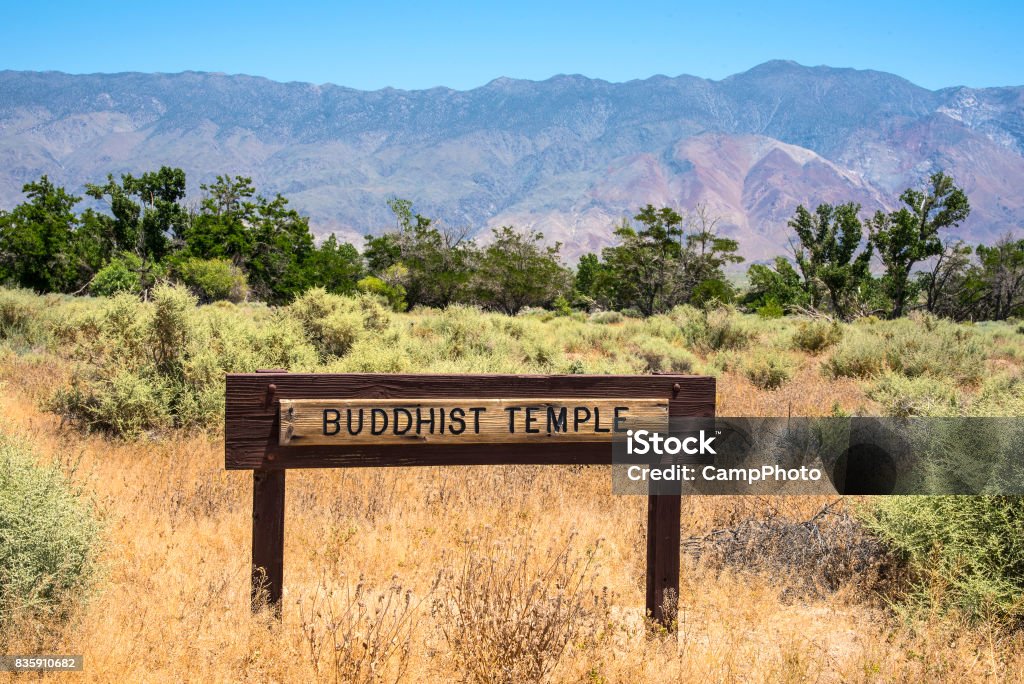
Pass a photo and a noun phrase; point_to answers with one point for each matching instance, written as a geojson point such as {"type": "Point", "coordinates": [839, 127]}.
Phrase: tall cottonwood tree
{"type": "Point", "coordinates": [910, 234]}
{"type": "Point", "coordinates": [38, 245]}
{"type": "Point", "coordinates": [826, 253]}
{"type": "Point", "coordinates": [945, 275]}
{"type": "Point", "coordinates": [148, 213]}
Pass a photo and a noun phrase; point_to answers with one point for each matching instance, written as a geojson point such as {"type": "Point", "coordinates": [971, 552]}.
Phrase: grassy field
{"type": "Point", "coordinates": [485, 574]}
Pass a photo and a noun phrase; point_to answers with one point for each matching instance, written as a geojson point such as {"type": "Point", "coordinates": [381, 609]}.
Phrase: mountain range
{"type": "Point", "coordinates": [569, 156]}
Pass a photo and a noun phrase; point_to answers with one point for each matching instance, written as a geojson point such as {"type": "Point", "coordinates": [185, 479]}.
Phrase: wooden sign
{"type": "Point", "coordinates": [464, 421]}
{"type": "Point", "coordinates": [276, 420]}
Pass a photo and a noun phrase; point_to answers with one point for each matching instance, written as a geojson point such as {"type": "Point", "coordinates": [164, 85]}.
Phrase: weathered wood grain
{"type": "Point", "coordinates": [252, 425]}
{"type": "Point", "coordinates": [470, 420]}
{"type": "Point", "coordinates": [268, 489]}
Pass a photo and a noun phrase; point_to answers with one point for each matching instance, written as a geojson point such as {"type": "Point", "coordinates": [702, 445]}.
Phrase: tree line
{"type": "Point", "coordinates": [831, 255]}
{"type": "Point", "coordinates": [237, 244]}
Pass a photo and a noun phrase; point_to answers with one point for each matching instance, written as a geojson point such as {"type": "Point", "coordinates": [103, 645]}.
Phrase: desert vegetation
{"type": "Point", "coordinates": [516, 573]}
{"type": "Point", "coordinates": [236, 245]}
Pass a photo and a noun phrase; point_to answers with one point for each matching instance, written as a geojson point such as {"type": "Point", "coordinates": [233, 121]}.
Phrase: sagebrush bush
{"type": "Point", "coordinates": [144, 366]}
{"type": "Point", "coordinates": [913, 348]}
{"type": "Point", "coordinates": [661, 356]}
{"type": "Point", "coordinates": [816, 336]}
{"type": "Point", "coordinates": [21, 316]}
{"type": "Point", "coordinates": [934, 348]}
{"type": "Point", "coordinates": [967, 551]}
{"type": "Point", "coordinates": [904, 397]}
{"type": "Point", "coordinates": [767, 371]}
{"type": "Point", "coordinates": [859, 355]}
{"type": "Point", "coordinates": [606, 317]}
{"type": "Point", "coordinates": [334, 323]}
{"type": "Point", "coordinates": [48, 539]}
{"type": "Point", "coordinates": [715, 329]}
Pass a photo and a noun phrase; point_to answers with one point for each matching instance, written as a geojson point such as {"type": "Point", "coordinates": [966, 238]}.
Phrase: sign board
{"type": "Point", "coordinates": [413, 422]}
{"type": "Point", "coordinates": [275, 421]}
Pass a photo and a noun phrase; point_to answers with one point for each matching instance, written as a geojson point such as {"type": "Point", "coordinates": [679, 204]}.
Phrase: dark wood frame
{"type": "Point", "coordinates": [251, 443]}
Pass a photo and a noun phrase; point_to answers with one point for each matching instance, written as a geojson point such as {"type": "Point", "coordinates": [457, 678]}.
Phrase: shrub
{"type": "Point", "coordinates": [48, 538]}
{"type": "Point", "coordinates": [767, 372]}
{"type": "Point", "coordinates": [122, 274]}
{"type": "Point", "coordinates": [661, 356]}
{"type": "Point", "coordinates": [606, 317]}
{"type": "Point", "coordinates": [21, 316]}
{"type": "Point", "coordinates": [160, 364]}
{"type": "Point", "coordinates": [713, 329]}
{"type": "Point", "coordinates": [904, 397]}
{"type": "Point", "coordinates": [934, 348]}
{"type": "Point", "coordinates": [968, 552]}
{"type": "Point", "coordinates": [333, 323]}
{"type": "Point", "coordinates": [561, 306]}
{"type": "Point", "coordinates": [509, 622]}
{"type": "Point", "coordinates": [770, 309]}
{"type": "Point", "coordinates": [816, 336]}
{"type": "Point", "coordinates": [394, 295]}
{"type": "Point", "coordinates": [213, 279]}
{"type": "Point", "coordinates": [857, 356]}
{"type": "Point", "coordinates": [820, 555]}
{"type": "Point", "coordinates": [920, 347]}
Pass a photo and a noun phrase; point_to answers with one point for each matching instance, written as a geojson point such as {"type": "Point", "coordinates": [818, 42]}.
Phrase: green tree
{"type": "Point", "coordinates": [910, 234]}
{"type": "Point", "coordinates": [588, 282]}
{"type": "Point", "coordinates": [1002, 273]}
{"type": "Point", "coordinates": [222, 228]}
{"type": "Point", "coordinates": [435, 264]}
{"type": "Point", "coordinates": [147, 211]}
{"type": "Point", "coordinates": [779, 284]}
{"type": "Point", "coordinates": [945, 276]}
{"type": "Point", "coordinates": [517, 270]}
{"type": "Point", "coordinates": [705, 255]}
{"type": "Point", "coordinates": [281, 249]}
{"type": "Point", "coordinates": [644, 266]}
{"type": "Point", "coordinates": [826, 255]}
{"type": "Point", "coordinates": [382, 252]}
{"type": "Point", "coordinates": [38, 246]}
{"type": "Point", "coordinates": [335, 266]}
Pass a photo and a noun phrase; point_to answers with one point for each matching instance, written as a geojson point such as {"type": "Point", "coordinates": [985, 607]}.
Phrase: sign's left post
{"type": "Point", "coordinates": [268, 533]}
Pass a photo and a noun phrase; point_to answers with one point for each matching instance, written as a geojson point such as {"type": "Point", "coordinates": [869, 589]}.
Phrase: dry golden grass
{"type": "Point", "coordinates": [172, 603]}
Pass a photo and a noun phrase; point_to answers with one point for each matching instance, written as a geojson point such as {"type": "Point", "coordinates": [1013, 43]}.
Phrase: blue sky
{"type": "Point", "coordinates": [372, 44]}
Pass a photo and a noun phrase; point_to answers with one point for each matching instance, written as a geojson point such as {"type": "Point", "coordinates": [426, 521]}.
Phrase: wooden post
{"type": "Point", "coordinates": [268, 527]}
{"type": "Point", "coordinates": [267, 538]}
{"type": "Point", "coordinates": [663, 525]}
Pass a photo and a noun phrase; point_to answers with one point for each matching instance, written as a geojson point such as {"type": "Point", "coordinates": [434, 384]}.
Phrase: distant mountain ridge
{"type": "Point", "coordinates": [568, 156]}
